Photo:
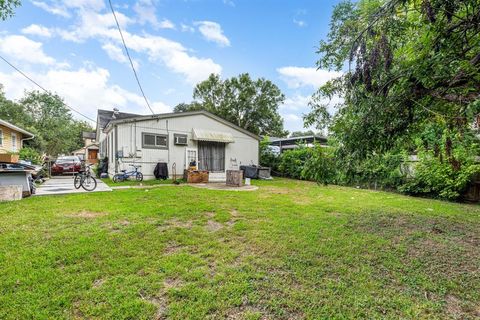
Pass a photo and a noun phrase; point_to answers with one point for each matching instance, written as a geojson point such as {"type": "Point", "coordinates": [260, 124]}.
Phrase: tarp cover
{"type": "Point", "coordinates": [206, 135]}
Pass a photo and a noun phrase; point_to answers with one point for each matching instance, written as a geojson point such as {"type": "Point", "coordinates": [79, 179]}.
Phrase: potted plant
{"type": "Point", "coordinates": [9, 157]}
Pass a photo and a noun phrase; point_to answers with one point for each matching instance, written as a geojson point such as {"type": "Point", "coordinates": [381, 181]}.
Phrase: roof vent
{"type": "Point", "coordinates": [115, 113]}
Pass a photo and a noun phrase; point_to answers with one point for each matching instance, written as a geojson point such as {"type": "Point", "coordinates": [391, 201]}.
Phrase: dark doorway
{"type": "Point", "coordinates": [211, 156]}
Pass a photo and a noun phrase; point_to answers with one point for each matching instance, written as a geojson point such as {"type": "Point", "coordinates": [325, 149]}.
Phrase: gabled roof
{"type": "Point", "coordinates": [88, 134]}
{"type": "Point", "coordinates": [15, 128]}
{"type": "Point", "coordinates": [181, 114]}
{"type": "Point", "coordinates": [105, 116]}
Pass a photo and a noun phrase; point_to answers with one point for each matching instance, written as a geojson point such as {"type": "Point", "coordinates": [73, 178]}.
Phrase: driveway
{"type": "Point", "coordinates": [64, 185]}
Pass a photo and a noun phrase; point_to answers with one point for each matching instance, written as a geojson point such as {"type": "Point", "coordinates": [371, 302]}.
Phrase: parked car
{"type": "Point", "coordinates": [70, 164]}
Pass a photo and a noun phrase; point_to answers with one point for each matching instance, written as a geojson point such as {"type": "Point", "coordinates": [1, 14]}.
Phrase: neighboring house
{"type": "Point", "coordinates": [293, 143]}
{"type": "Point", "coordinates": [175, 138]}
{"type": "Point", "coordinates": [89, 152]}
{"type": "Point", "coordinates": [12, 137]}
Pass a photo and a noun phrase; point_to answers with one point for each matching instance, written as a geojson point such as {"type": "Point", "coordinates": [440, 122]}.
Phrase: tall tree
{"type": "Point", "coordinates": [7, 8]}
{"type": "Point", "coordinates": [55, 129]}
{"type": "Point", "coordinates": [295, 134]}
{"type": "Point", "coordinates": [412, 64]}
{"type": "Point", "coordinates": [250, 104]}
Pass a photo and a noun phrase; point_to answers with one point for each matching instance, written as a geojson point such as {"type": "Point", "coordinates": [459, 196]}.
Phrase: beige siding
{"type": "Point", "coordinates": [6, 145]}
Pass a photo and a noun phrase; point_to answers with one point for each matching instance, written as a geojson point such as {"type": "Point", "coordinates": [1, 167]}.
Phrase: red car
{"type": "Point", "coordinates": [69, 164]}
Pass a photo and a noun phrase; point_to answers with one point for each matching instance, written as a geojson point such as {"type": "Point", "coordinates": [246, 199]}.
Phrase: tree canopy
{"type": "Point", "coordinates": [46, 116]}
{"type": "Point", "coordinates": [412, 75]}
{"type": "Point", "coordinates": [7, 8]}
{"type": "Point", "coordinates": [295, 134]}
{"type": "Point", "coordinates": [250, 104]}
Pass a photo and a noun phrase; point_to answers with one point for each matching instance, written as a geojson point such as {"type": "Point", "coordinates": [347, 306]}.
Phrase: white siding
{"type": "Point", "coordinates": [244, 149]}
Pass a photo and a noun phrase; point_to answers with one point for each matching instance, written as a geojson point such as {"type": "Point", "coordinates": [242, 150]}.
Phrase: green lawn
{"type": "Point", "coordinates": [290, 250]}
{"type": "Point", "coordinates": [131, 182]}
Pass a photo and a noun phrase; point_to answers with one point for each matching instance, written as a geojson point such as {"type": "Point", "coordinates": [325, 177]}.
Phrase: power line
{"type": "Point", "coordinates": [46, 91]}
{"type": "Point", "coordinates": [128, 55]}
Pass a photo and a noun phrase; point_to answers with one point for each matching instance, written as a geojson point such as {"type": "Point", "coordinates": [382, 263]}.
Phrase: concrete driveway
{"type": "Point", "coordinates": [64, 185]}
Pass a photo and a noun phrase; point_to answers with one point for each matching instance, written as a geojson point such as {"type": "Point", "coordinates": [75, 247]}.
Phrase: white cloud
{"type": "Point", "coordinates": [229, 3]}
{"type": "Point", "coordinates": [146, 13]}
{"type": "Point", "coordinates": [167, 24]}
{"type": "Point", "coordinates": [52, 8]}
{"type": "Point", "coordinates": [292, 117]}
{"type": "Point", "coordinates": [37, 30]}
{"type": "Point", "coordinates": [62, 9]}
{"type": "Point", "coordinates": [116, 53]}
{"type": "Point", "coordinates": [297, 77]}
{"type": "Point", "coordinates": [296, 102]}
{"type": "Point", "coordinates": [213, 32]}
{"type": "Point", "coordinates": [299, 22]}
{"type": "Point", "coordinates": [23, 49]}
{"type": "Point", "coordinates": [186, 28]}
{"type": "Point", "coordinates": [75, 86]}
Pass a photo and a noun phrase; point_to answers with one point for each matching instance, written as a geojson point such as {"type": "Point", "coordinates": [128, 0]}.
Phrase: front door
{"type": "Point", "coordinates": [92, 156]}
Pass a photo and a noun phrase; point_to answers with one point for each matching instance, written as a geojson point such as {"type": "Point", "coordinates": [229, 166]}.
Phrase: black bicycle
{"type": "Point", "coordinates": [85, 179]}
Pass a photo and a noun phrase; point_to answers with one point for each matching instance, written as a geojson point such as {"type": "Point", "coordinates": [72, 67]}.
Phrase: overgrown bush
{"type": "Point", "coordinates": [435, 178]}
{"type": "Point", "coordinates": [30, 154]}
{"type": "Point", "coordinates": [292, 162]}
{"type": "Point", "coordinates": [435, 174]}
{"type": "Point", "coordinates": [320, 166]}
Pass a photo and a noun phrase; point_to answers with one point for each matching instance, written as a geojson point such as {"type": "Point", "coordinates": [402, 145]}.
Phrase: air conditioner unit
{"type": "Point", "coordinates": [180, 139]}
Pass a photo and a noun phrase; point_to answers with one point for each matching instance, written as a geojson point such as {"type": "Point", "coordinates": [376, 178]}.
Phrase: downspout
{"type": "Point", "coordinates": [168, 144]}
{"type": "Point", "coordinates": [115, 151]}
{"type": "Point", "coordinates": [25, 139]}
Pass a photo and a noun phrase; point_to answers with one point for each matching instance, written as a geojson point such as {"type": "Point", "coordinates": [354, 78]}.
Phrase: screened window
{"type": "Point", "coordinates": [14, 142]}
{"type": "Point", "coordinates": [154, 141]}
{"type": "Point", "coordinates": [1, 137]}
{"type": "Point", "coordinates": [211, 156]}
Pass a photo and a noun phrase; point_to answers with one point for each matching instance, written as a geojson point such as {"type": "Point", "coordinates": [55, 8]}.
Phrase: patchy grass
{"type": "Point", "coordinates": [132, 182]}
{"type": "Point", "coordinates": [290, 250]}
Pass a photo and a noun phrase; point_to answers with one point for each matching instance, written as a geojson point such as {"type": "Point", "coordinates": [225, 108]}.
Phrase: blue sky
{"type": "Point", "coordinates": [73, 48]}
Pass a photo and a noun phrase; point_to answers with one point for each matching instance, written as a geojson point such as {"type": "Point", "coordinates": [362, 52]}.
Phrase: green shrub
{"type": "Point", "coordinates": [293, 161]}
{"type": "Point", "coordinates": [30, 154]}
{"type": "Point", "coordinates": [435, 178]}
{"type": "Point", "coordinates": [320, 166]}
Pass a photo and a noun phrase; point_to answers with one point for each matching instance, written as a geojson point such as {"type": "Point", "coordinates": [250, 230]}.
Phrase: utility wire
{"type": "Point", "coordinates": [128, 55]}
{"type": "Point", "coordinates": [46, 91]}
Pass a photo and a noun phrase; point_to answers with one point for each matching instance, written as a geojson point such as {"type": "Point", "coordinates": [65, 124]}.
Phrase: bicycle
{"type": "Point", "coordinates": [119, 177]}
{"type": "Point", "coordinates": [85, 179]}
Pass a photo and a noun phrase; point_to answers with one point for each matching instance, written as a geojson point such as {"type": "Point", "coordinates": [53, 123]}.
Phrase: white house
{"type": "Point", "coordinates": [175, 138]}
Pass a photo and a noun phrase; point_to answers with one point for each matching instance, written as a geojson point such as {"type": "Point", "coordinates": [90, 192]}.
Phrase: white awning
{"type": "Point", "coordinates": [216, 136]}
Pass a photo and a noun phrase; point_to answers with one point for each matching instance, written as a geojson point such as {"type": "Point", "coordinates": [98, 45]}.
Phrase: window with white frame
{"type": "Point", "coordinates": [154, 141]}
{"type": "Point", "coordinates": [1, 137]}
{"type": "Point", "coordinates": [14, 142]}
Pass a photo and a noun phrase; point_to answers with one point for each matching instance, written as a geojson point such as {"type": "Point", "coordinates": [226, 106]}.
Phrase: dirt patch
{"type": "Point", "coordinates": [213, 226]}
{"type": "Point", "coordinates": [160, 302]}
{"type": "Point", "coordinates": [88, 214]}
{"type": "Point", "coordinates": [172, 248]}
{"type": "Point", "coordinates": [172, 283]}
{"type": "Point", "coordinates": [209, 214]}
{"type": "Point", "coordinates": [176, 223]}
{"type": "Point", "coordinates": [98, 283]}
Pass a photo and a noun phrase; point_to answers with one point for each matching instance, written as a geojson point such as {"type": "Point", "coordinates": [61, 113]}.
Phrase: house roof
{"type": "Point", "coordinates": [105, 116]}
{"type": "Point", "coordinates": [181, 114]}
{"type": "Point", "coordinates": [88, 134]}
{"type": "Point", "coordinates": [15, 128]}
{"type": "Point", "coordinates": [295, 140]}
